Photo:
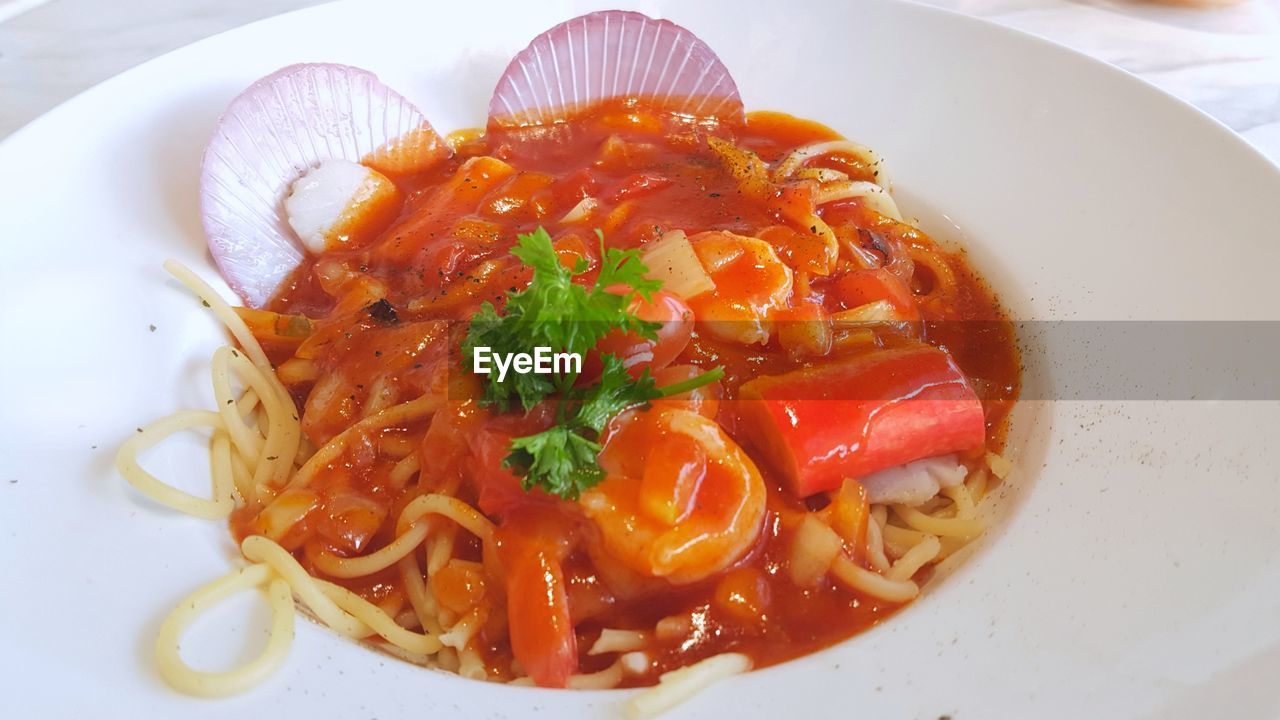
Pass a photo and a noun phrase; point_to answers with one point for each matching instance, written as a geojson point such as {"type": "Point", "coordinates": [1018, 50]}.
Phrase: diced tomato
{"type": "Point", "coordinates": [517, 198]}
{"type": "Point", "coordinates": [638, 353]}
{"type": "Point", "coordinates": [637, 185]}
{"type": "Point", "coordinates": [796, 203]}
{"type": "Point", "coordinates": [532, 546]}
{"type": "Point", "coordinates": [818, 426]}
{"type": "Point", "coordinates": [849, 513]}
{"type": "Point", "coordinates": [867, 286]}
{"type": "Point", "coordinates": [499, 490]}
{"type": "Point", "coordinates": [801, 250]}
{"type": "Point", "coordinates": [575, 186]}
{"type": "Point", "coordinates": [459, 585]}
{"type": "Point", "coordinates": [572, 250]}
{"type": "Point", "coordinates": [432, 215]}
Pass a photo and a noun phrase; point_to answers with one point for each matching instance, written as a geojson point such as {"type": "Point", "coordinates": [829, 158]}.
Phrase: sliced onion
{"type": "Point", "coordinates": [275, 130]}
{"type": "Point", "coordinates": [612, 54]}
{"type": "Point", "coordinates": [873, 196]}
{"type": "Point", "coordinates": [673, 261]}
{"type": "Point", "coordinates": [796, 159]}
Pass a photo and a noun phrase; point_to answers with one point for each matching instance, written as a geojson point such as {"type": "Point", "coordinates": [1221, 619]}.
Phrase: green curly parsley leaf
{"type": "Point", "coordinates": [557, 313]}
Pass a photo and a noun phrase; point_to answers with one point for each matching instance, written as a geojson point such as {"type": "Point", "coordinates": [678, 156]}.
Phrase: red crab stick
{"type": "Point", "coordinates": [818, 426]}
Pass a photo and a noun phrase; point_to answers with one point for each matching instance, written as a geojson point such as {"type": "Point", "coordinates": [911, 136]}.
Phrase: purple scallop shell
{"type": "Point", "coordinates": [269, 135]}
{"type": "Point", "coordinates": [608, 54]}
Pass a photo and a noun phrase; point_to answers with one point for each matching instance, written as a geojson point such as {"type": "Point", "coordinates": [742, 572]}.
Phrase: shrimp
{"type": "Point", "coordinates": [680, 500]}
{"type": "Point", "coordinates": [751, 281]}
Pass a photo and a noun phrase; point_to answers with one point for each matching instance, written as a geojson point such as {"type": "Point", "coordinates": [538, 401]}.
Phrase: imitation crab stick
{"type": "Point", "coordinates": [817, 426]}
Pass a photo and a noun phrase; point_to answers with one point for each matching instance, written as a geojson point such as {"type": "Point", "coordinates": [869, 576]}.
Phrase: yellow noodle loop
{"type": "Point", "coordinates": [218, 506]}
{"type": "Point", "coordinates": [181, 676]}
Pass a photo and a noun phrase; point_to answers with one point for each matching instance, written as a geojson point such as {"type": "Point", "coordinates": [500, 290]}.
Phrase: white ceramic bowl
{"type": "Point", "coordinates": [1132, 569]}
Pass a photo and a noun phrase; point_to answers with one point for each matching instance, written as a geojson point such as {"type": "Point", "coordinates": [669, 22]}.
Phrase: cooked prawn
{"type": "Point", "coordinates": [681, 500]}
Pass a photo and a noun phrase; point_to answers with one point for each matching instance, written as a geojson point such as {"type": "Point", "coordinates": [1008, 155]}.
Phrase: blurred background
{"type": "Point", "coordinates": [1222, 56]}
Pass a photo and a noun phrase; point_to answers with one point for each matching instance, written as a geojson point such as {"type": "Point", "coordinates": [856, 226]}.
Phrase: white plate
{"type": "Point", "coordinates": [1133, 571]}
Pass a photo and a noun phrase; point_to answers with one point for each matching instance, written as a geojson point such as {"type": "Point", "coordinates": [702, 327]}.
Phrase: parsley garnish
{"type": "Point", "coordinates": [558, 313]}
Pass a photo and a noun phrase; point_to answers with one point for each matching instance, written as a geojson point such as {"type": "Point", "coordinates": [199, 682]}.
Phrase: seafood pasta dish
{"type": "Point", "coordinates": [629, 387]}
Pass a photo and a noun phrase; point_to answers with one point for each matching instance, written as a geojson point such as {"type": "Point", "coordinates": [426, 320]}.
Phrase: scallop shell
{"type": "Point", "coordinates": [608, 54]}
{"type": "Point", "coordinates": [280, 126]}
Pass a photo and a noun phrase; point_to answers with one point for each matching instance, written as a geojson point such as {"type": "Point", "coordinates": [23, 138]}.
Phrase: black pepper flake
{"type": "Point", "coordinates": [138, 429]}
{"type": "Point", "coordinates": [713, 195]}
{"type": "Point", "coordinates": [205, 302]}
{"type": "Point", "coordinates": [383, 312]}
{"type": "Point", "coordinates": [272, 457]}
{"type": "Point", "coordinates": [152, 328]}
{"type": "Point", "coordinates": [377, 353]}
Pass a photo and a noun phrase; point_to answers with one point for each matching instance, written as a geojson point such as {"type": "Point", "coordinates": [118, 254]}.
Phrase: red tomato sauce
{"type": "Point", "coordinates": [447, 252]}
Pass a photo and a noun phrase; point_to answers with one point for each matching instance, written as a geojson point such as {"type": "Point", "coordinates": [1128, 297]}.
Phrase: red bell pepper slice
{"type": "Point", "coordinates": [817, 426]}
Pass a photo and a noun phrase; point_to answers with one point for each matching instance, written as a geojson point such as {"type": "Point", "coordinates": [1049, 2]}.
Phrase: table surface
{"type": "Point", "coordinates": [1225, 61]}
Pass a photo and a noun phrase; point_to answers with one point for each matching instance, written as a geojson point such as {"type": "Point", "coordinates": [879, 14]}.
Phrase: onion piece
{"type": "Point", "coordinates": [270, 134]}
{"type": "Point", "coordinates": [814, 546]}
{"type": "Point", "coordinates": [614, 54]}
{"type": "Point", "coordinates": [796, 159]}
{"type": "Point", "coordinates": [581, 211]}
{"type": "Point", "coordinates": [880, 311]}
{"type": "Point", "coordinates": [872, 195]}
{"type": "Point", "coordinates": [821, 174]}
{"type": "Point", "coordinates": [673, 261]}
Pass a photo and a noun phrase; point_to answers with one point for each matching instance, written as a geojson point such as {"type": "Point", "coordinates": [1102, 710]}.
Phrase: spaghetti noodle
{"type": "Point", "coordinates": [368, 482]}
